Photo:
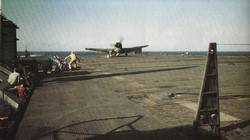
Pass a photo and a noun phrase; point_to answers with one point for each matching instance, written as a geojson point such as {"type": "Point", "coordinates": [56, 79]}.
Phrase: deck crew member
{"type": "Point", "coordinates": [13, 78]}
{"type": "Point", "coordinates": [73, 58]}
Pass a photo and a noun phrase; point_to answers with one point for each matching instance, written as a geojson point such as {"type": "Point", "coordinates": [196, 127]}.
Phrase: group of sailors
{"type": "Point", "coordinates": [20, 85]}
{"type": "Point", "coordinates": [57, 63]}
{"type": "Point", "coordinates": [62, 64]}
{"type": "Point", "coordinates": [21, 81]}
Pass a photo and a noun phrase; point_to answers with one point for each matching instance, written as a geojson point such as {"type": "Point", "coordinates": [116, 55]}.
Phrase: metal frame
{"type": "Point", "coordinates": [208, 112]}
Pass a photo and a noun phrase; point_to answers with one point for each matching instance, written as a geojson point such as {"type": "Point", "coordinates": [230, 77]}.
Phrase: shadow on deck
{"type": "Point", "coordinates": [120, 128]}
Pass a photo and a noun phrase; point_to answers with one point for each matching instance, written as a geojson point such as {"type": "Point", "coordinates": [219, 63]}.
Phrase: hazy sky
{"type": "Point", "coordinates": [166, 25]}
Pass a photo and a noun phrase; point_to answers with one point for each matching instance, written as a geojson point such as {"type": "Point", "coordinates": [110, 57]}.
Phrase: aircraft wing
{"type": "Point", "coordinates": [132, 49]}
{"type": "Point", "coordinates": [100, 50]}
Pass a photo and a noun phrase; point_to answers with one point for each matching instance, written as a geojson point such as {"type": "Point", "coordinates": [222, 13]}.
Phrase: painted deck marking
{"type": "Point", "coordinates": [135, 84]}
{"type": "Point", "coordinates": [223, 117]}
{"type": "Point", "coordinates": [118, 78]}
{"type": "Point", "coordinates": [194, 106]}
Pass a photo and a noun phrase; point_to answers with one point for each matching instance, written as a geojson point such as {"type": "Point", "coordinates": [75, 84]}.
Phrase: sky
{"type": "Point", "coordinates": [165, 25]}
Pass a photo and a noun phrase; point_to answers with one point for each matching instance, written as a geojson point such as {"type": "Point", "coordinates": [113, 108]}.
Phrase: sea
{"type": "Point", "coordinates": [50, 54]}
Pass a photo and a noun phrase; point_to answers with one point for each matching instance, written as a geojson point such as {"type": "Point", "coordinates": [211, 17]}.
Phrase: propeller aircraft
{"type": "Point", "coordinates": [118, 49]}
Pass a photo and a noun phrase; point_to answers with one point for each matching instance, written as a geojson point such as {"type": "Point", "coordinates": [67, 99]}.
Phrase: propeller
{"type": "Point", "coordinates": [112, 44]}
{"type": "Point", "coordinates": [121, 39]}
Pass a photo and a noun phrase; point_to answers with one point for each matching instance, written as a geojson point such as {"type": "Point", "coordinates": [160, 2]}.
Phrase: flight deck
{"type": "Point", "coordinates": [136, 97]}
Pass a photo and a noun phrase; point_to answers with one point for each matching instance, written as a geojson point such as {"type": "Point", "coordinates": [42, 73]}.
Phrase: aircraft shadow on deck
{"type": "Point", "coordinates": [82, 76]}
{"type": "Point", "coordinates": [123, 128]}
{"type": "Point", "coordinates": [67, 73]}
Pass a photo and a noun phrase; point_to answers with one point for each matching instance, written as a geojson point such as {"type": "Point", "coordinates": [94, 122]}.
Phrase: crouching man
{"type": "Point", "coordinates": [13, 79]}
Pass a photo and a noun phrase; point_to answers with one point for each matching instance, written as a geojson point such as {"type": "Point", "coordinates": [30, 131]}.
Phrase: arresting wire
{"type": "Point", "coordinates": [232, 44]}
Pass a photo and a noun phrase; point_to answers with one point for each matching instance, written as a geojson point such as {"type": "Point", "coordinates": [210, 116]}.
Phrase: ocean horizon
{"type": "Point", "coordinates": [65, 53]}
